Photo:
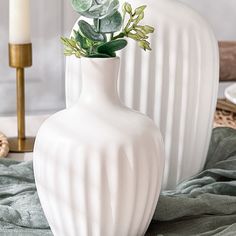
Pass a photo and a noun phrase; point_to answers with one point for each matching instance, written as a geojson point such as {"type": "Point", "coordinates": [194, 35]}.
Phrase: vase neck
{"type": "Point", "coordinates": [99, 81]}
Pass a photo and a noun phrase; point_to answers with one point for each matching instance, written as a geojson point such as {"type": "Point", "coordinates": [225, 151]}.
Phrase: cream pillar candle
{"type": "Point", "coordinates": [19, 21]}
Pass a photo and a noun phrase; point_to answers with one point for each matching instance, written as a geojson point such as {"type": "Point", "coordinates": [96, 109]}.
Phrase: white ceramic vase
{"type": "Point", "coordinates": [175, 85]}
{"type": "Point", "coordinates": [98, 165]}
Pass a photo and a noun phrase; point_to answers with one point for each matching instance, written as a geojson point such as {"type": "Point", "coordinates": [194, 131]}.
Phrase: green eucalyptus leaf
{"type": "Point", "coordinates": [112, 46]}
{"type": "Point", "coordinates": [88, 31]}
{"type": "Point", "coordinates": [99, 55]}
{"type": "Point", "coordinates": [81, 40]}
{"type": "Point", "coordinates": [81, 5]}
{"type": "Point", "coordinates": [110, 24]}
{"type": "Point", "coordinates": [95, 8]}
{"type": "Point", "coordinates": [113, 7]}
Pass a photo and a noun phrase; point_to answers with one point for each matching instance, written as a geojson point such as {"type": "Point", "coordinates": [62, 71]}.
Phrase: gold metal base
{"type": "Point", "coordinates": [20, 55]}
{"type": "Point", "coordinates": [21, 145]}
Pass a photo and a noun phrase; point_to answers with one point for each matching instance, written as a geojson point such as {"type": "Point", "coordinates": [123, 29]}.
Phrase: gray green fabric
{"type": "Point", "coordinates": [204, 205]}
{"type": "Point", "coordinates": [20, 211]}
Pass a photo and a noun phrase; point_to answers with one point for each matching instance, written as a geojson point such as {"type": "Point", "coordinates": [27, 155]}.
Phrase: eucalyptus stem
{"type": "Point", "coordinates": [129, 23]}
{"type": "Point", "coordinates": [123, 20]}
{"type": "Point", "coordinates": [119, 36]}
{"type": "Point", "coordinates": [112, 36]}
{"type": "Point", "coordinates": [98, 25]}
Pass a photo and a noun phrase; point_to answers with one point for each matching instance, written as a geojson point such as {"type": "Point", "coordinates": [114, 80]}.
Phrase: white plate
{"type": "Point", "coordinates": [230, 93]}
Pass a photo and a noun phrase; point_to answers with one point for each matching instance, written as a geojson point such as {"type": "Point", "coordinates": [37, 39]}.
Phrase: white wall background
{"type": "Point", "coordinates": [221, 14]}
{"type": "Point", "coordinates": [53, 18]}
{"type": "Point", "coordinates": [45, 80]}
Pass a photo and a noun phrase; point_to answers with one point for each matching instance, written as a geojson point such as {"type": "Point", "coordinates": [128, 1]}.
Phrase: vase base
{"type": "Point", "coordinates": [18, 145]}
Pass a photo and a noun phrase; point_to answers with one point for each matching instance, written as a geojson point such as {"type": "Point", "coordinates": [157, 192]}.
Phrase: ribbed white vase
{"type": "Point", "coordinates": [98, 165]}
{"type": "Point", "coordinates": [176, 84]}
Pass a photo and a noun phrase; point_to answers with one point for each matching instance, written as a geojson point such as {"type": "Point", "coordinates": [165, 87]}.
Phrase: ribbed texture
{"type": "Point", "coordinates": [176, 84]}
{"type": "Point", "coordinates": [84, 191]}
{"type": "Point", "coordinates": [99, 165]}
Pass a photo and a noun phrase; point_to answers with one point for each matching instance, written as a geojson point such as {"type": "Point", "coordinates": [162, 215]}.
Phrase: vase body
{"type": "Point", "coordinates": [175, 84]}
{"type": "Point", "coordinates": [98, 165]}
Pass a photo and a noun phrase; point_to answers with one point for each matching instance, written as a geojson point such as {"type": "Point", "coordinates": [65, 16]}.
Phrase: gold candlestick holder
{"type": "Point", "coordinates": [20, 57]}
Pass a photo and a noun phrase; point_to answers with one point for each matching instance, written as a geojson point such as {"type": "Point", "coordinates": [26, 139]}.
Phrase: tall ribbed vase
{"type": "Point", "coordinates": [98, 165]}
{"type": "Point", "coordinates": [175, 85]}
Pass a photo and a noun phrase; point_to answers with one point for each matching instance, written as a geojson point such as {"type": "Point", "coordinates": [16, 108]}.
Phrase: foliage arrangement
{"type": "Point", "coordinates": [105, 32]}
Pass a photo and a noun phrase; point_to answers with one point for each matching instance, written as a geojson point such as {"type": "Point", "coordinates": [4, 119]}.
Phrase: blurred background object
{"type": "Point", "coordinates": [221, 15]}
{"type": "Point", "coordinates": [45, 80]}
{"type": "Point", "coordinates": [230, 93]}
{"type": "Point", "coordinates": [51, 19]}
{"type": "Point", "coordinates": [225, 115]}
{"type": "Point", "coordinates": [4, 145]}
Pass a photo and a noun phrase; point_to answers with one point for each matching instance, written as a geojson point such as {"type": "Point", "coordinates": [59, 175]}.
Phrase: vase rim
{"type": "Point", "coordinates": [100, 59]}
